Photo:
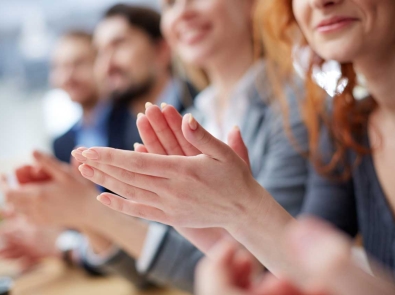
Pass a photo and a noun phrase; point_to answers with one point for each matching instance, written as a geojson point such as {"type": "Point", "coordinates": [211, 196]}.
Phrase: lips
{"type": "Point", "coordinates": [192, 35]}
{"type": "Point", "coordinates": [334, 24]}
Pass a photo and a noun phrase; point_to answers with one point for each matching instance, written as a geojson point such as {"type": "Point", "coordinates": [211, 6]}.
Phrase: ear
{"type": "Point", "coordinates": [164, 54]}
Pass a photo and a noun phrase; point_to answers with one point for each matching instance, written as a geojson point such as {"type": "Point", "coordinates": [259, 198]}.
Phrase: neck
{"type": "Point", "coordinates": [138, 104]}
{"type": "Point", "coordinates": [227, 70]}
{"type": "Point", "coordinates": [379, 72]}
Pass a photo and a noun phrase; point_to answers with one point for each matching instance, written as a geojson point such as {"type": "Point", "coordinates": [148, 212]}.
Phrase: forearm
{"type": "Point", "coordinates": [262, 232]}
{"type": "Point", "coordinates": [204, 239]}
{"type": "Point", "coordinates": [126, 232]}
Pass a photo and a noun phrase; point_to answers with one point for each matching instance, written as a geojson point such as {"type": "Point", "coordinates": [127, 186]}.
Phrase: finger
{"type": "Point", "coordinates": [204, 141]}
{"type": "Point", "coordinates": [4, 186]}
{"type": "Point", "coordinates": [133, 209]}
{"type": "Point", "coordinates": [74, 161]}
{"type": "Point", "coordinates": [163, 131]}
{"type": "Point", "coordinates": [13, 253]}
{"type": "Point", "coordinates": [140, 148]}
{"type": "Point", "coordinates": [148, 164]}
{"type": "Point", "coordinates": [235, 141]}
{"type": "Point", "coordinates": [309, 239]}
{"type": "Point", "coordinates": [174, 120]}
{"type": "Point", "coordinates": [148, 136]}
{"type": "Point", "coordinates": [130, 192]}
{"type": "Point", "coordinates": [273, 286]}
{"type": "Point", "coordinates": [50, 165]}
{"type": "Point", "coordinates": [242, 265]}
{"type": "Point", "coordinates": [24, 174]}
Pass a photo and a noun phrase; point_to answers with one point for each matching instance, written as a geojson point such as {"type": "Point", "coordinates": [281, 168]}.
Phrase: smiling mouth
{"type": "Point", "coordinates": [192, 36]}
{"type": "Point", "coordinates": [335, 24]}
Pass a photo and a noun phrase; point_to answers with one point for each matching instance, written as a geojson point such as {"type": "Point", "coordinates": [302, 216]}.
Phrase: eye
{"type": "Point", "coordinates": [166, 4]}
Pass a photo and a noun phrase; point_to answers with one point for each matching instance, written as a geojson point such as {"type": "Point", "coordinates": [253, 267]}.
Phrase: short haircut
{"type": "Point", "coordinates": [143, 18]}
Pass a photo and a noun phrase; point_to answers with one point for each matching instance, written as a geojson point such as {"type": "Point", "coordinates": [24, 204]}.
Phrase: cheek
{"type": "Point", "coordinates": [168, 30]}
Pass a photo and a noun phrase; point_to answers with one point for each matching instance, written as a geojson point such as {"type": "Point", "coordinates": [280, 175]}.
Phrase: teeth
{"type": "Point", "coordinates": [189, 34]}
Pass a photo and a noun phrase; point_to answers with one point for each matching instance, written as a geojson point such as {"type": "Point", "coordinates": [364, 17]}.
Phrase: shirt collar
{"type": "Point", "coordinates": [247, 84]}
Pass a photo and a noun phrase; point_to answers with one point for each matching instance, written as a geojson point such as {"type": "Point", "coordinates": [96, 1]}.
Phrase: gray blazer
{"type": "Point", "coordinates": [276, 164]}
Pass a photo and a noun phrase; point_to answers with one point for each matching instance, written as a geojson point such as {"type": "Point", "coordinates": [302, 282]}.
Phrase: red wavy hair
{"type": "Point", "coordinates": [346, 120]}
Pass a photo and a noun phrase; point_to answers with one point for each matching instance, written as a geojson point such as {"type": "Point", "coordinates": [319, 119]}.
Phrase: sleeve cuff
{"type": "Point", "coordinates": [155, 235]}
{"type": "Point", "coordinates": [95, 259]}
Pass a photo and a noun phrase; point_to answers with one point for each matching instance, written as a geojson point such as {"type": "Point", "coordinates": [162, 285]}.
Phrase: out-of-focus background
{"type": "Point", "coordinates": [31, 113]}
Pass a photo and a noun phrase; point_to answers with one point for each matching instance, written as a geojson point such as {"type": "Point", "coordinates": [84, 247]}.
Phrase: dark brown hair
{"type": "Point", "coordinates": [143, 18]}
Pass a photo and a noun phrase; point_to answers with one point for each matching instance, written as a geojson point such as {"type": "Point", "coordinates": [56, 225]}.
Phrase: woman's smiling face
{"type": "Point", "coordinates": [200, 30]}
{"type": "Point", "coordinates": [346, 30]}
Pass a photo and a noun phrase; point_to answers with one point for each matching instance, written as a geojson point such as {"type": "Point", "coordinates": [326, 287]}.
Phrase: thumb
{"type": "Point", "coordinates": [235, 141]}
{"type": "Point", "coordinates": [50, 165]}
{"type": "Point", "coordinates": [203, 140]}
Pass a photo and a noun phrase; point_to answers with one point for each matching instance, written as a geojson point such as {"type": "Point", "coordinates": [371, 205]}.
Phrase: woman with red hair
{"type": "Point", "coordinates": [352, 142]}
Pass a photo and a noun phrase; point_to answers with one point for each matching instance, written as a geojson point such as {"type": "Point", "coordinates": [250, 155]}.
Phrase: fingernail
{"type": "Point", "coordinates": [86, 171]}
{"type": "Point", "coordinates": [136, 145]}
{"type": "Point", "coordinates": [77, 154]}
{"type": "Point", "coordinates": [91, 154]}
{"type": "Point", "coordinates": [236, 128]}
{"type": "Point", "coordinates": [37, 154]}
{"type": "Point", "coordinates": [163, 105]}
{"type": "Point", "coordinates": [192, 122]}
{"type": "Point", "coordinates": [104, 200]}
{"type": "Point", "coordinates": [147, 105]}
{"type": "Point", "coordinates": [139, 115]}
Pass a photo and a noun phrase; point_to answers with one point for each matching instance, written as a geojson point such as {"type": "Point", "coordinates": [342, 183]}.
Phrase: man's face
{"type": "Point", "coordinates": [72, 69]}
{"type": "Point", "coordinates": [127, 57]}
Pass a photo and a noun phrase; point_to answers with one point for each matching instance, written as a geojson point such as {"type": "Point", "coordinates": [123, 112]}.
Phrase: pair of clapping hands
{"type": "Point", "coordinates": [184, 177]}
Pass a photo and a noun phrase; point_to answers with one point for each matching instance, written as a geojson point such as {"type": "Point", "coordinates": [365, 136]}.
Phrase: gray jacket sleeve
{"type": "Point", "coordinates": [175, 262]}
{"type": "Point", "coordinates": [283, 167]}
{"type": "Point", "coordinates": [120, 263]}
{"type": "Point", "coordinates": [277, 164]}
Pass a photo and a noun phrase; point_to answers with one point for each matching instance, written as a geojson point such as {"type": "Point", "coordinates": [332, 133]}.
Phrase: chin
{"type": "Point", "coordinates": [340, 50]}
{"type": "Point", "coordinates": [339, 54]}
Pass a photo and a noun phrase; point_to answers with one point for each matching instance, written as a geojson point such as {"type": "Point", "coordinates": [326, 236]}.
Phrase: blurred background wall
{"type": "Point", "coordinates": [31, 113]}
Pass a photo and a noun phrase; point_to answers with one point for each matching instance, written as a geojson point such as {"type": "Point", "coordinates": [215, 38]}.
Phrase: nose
{"type": "Point", "coordinates": [105, 63]}
{"type": "Point", "coordinates": [324, 3]}
{"type": "Point", "coordinates": [184, 9]}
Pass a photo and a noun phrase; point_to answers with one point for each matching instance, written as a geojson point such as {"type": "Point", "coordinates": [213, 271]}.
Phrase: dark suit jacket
{"type": "Point", "coordinates": [122, 132]}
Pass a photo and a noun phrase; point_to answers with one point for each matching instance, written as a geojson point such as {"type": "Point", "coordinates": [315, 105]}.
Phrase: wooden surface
{"type": "Point", "coordinates": [53, 278]}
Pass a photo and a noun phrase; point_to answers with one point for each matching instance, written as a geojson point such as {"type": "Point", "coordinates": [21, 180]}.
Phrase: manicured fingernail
{"type": "Point", "coordinates": [163, 105]}
{"type": "Point", "coordinates": [147, 105]}
{"type": "Point", "coordinates": [86, 171]}
{"type": "Point", "coordinates": [37, 154]}
{"type": "Point", "coordinates": [192, 122]}
{"type": "Point", "coordinates": [139, 115]}
{"type": "Point", "coordinates": [104, 200]}
{"type": "Point", "coordinates": [77, 154]}
{"type": "Point", "coordinates": [91, 154]}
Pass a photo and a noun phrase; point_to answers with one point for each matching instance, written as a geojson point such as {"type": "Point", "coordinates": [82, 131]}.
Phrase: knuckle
{"type": "Point", "coordinates": [128, 176]}
{"type": "Point", "coordinates": [204, 138]}
{"type": "Point", "coordinates": [138, 163]}
{"type": "Point", "coordinates": [130, 193]}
